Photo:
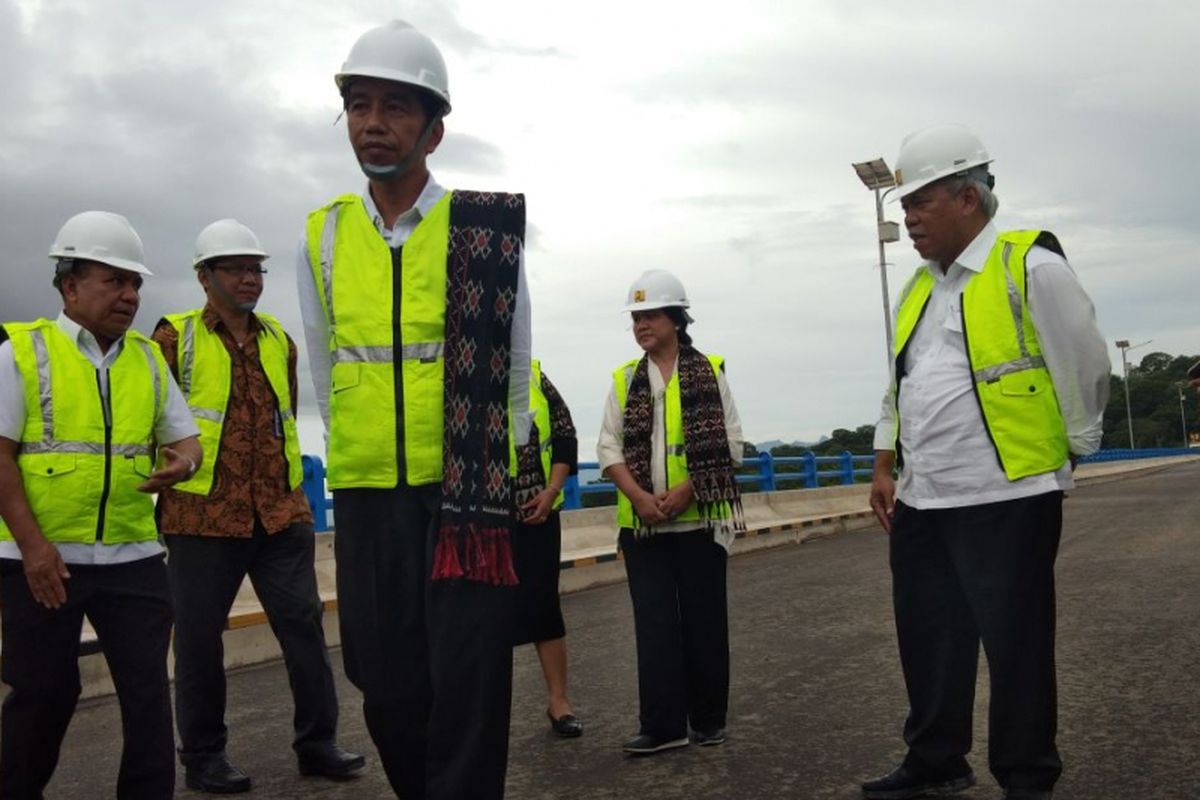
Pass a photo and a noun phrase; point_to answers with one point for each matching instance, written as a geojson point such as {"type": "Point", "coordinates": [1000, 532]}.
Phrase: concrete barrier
{"type": "Point", "coordinates": [590, 557]}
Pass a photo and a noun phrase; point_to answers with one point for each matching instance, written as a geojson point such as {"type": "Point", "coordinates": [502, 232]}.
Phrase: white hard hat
{"type": "Point", "coordinates": [100, 236]}
{"type": "Point", "coordinates": [398, 52]}
{"type": "Point", "coordinates": [935, 153]}
{"type": "Point", "coordinates": [226, 237]}
{"type": "Point", "coordinates": [656, 288]}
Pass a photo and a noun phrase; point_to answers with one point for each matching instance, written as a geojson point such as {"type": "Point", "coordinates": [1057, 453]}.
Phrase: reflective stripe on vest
{"type": "Point", "coordinates": [676, 456]}
{"type": "Point", "coordinates": [1015, 391]}
{"type": "Point", "coordinates": [73, 447]}
{"type": "Point", "coordinates": [343, 241]}
{"type": "Point", "coordinates": [205, 378]}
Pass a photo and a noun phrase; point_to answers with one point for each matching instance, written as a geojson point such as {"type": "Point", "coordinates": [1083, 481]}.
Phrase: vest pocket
{"type": "Point", "coordinates": [1027, 383]}
{"type": "Point", "coordinates": [344, 376]}
{"type": "Point", "coordinates": [142, 465]}
{"type": "Point", "coordinates": [50, 465]}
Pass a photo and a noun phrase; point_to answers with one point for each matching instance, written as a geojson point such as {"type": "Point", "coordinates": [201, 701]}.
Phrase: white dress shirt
{"type": "Point", "coordinates": [316, 327]}
{"type": "Point", "coordinates": [949, 460]}
{"type": "Point", "coordinates": [174, 423]}
{"type": "Point", "coordinates": [610, 445]}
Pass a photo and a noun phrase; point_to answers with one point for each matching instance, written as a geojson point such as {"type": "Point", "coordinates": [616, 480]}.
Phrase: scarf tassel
{"type": "Point", "coordinates": [487, 554]}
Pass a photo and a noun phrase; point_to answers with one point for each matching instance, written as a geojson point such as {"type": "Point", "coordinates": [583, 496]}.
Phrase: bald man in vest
{"type": "Point", "coordinates": [243, 514]}
{"type": "Point", "coordinates": [417, 324]}
{"type": "Point", "coordinates": [999, 382]}
{"type": "Point", "coordinates": [84, 403]}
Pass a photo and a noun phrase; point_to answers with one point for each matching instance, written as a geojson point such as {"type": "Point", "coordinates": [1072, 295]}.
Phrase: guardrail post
{"type": "Point", "coordinates": [571, 498]}
{"type": "Point", "coordinates": [766, 472]}
{"type": "Point", "coordinates": [314, 491]}
{"type": "Point", "coordinates": [810, 470]}
{"type": "Point", "coordinates": [847, 467]}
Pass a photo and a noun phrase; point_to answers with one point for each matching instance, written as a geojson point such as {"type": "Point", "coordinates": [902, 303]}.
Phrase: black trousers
{"type": "Point", "coordinates": [965, 575]}
{"type": "Point", "coordinates": [680, 616]}
{"type": "Point", "coordinates": [205, 574]}
{"type": "Point", "coordinates": [433, 660]}
{"type": "Point", "coordinates": [129, 606]}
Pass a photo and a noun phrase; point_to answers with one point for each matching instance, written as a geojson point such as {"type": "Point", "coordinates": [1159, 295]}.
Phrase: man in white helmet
{"type": "Point", "coordinates": [417, 325]}
{"type": "Point", "coordinates": [84, 403]}
{"type": "Point", "coordinates": [244, 513]}
{"type": "Point", "coordinates": [999, 382]}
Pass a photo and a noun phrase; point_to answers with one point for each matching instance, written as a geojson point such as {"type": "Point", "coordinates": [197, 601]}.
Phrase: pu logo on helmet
{"type": "Point", "coordinates": [639, 295]}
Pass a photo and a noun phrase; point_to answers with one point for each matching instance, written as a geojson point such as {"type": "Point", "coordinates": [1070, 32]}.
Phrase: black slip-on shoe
{"type": "Point", "coordinates": [567, 726]}
{"type": "Point", "coordinates": [709, 738]}
{"type": "Point", "coordinates": [1028, 794]}
{"type": "Point", "coordinates": [644, 744]}
{"type": "Point", "coordinates": [330, 761]}
{"type": "Point", "coordinates": [902, 784]}
{"type": "Point", "coordinates": [216, 775]}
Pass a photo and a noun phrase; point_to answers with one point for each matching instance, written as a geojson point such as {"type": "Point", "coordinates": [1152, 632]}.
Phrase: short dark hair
{"type": "Point", "coordinates": [680, 318]}
{"type": "Point", "coordinates": [431, 104]}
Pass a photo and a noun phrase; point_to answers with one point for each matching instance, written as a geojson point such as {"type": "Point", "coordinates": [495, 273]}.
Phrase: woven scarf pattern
{"type": "Point", "coordinates": [475, 531]}
{"type": "Point", "coordinates": [706, 442]}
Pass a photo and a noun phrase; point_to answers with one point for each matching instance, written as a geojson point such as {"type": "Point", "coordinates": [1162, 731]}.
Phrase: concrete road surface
{"type": "Point", "coordinates": [817, 702]}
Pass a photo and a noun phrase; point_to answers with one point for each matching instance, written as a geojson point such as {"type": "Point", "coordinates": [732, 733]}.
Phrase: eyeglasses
{"type": "Point", "coordinates": [237, 270]}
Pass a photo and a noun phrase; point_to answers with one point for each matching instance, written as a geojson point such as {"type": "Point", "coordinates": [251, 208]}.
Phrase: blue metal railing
{"type": "Point", "coordinates": [767, 472]}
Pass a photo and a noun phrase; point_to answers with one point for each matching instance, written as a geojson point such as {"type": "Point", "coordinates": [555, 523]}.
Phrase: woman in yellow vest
{"type": "Point", "coordinates": [542, 468]}
{"type": "Point", "coordinates": [671, 442]}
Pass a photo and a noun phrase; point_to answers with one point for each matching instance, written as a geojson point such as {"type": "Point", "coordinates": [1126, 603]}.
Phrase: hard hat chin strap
{"type": "Point", "coordinates": [390, 172]}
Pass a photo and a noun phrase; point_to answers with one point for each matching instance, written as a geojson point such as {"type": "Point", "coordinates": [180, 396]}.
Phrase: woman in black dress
{"type": "Point", "coordinates": [543, 467]}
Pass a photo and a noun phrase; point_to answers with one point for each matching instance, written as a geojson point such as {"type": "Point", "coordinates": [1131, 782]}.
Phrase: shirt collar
{"type": "Point", "coordinates": [426, 200]}
{"type": "Point", "coordinates": [81, 336]}
{"type": "Point", "coordinates": [974, 256]}
{"type": "Point", "coordinates": [212, 319]}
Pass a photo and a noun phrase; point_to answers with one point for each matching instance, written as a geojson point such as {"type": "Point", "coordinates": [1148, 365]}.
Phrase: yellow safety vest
{"type": "Point", "coordinates": [540, 407]}
{"type": "Point", "coordinates": [352, 267]}
{"type": "Point", "coordinates": [677, 471]}
{"type": "Point", "coordinates": [205, 376]}
{"type": "Point", "coordinates": [1014, 388]}
{"type": "Point", "coordinates": [81, 463]}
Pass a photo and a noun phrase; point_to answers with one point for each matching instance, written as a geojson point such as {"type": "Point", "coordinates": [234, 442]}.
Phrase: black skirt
{"type": "Point", "coordinates": [537, 550]}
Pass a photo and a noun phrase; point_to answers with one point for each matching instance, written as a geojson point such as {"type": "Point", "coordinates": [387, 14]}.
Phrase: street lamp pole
{"type": "Point", "coordinates": [1125, 347]}
{"type": "Point", "coordinates": [876, 175]}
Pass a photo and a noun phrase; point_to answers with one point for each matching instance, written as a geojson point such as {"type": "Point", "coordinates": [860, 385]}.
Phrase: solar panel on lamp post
{"type": "Point", "coordinates": [876, 175]}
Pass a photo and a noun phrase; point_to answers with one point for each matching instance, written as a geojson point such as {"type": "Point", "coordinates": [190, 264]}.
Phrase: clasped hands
{"type": "Point", "coordinates": [655, 509]}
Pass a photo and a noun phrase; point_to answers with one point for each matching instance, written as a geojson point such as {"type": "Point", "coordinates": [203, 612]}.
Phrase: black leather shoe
{"type": "Point", "coordinates": [567, 726]}
{"type": "Point", "coordinates": [709, 738]}
{"type": "Point", "coordinates": [901, 784]}
{"type": "Point", "coordinates": [216, 775]}
{"type": "Point", "coordinates": [1028, 794]}
{"type": "Point", "coordinates": [644, 744]}
{"type": "Point", "coordinates": [330, 761]}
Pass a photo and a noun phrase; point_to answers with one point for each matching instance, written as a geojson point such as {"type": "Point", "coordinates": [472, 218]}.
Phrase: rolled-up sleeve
{"type": "Point", "coordinates": [1072, 346]}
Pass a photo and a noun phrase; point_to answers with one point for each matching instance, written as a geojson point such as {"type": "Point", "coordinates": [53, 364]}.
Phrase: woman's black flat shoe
{"type": "Point", "coordinates": [566, 726]}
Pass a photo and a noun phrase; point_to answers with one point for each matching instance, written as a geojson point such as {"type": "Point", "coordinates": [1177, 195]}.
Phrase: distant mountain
{"type": "Point", "coordinates": [768, 446]}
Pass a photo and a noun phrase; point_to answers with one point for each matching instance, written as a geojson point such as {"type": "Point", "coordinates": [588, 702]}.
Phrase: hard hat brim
{"type": "Point", "coordinates": [396, 76]}
{"type": "Point", "coordinates": [112, 261]}
{"type": "Point", "coordinates": [649, 305]}
{"type": "Point", "coordinates": [905, 189]}
{"type": "Point", "coordinates": [232, 251]}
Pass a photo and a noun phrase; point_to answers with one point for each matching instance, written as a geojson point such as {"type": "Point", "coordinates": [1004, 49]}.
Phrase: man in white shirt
{"type": "Point", "coordinates": [999, 382]}
{"type": "Point", "coordinates": [83, 403]}
{"type": "Point", "coordinates": [417, 324]}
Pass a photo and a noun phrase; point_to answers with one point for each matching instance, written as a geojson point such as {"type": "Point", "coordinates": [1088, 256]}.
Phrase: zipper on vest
{"type": "Point", "coordinates": [962, 309]}
{"type": "Point", "coordinates": [106, 405]}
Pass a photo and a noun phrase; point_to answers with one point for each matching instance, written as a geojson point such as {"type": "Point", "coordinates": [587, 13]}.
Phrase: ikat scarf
{"type": "Point", "coordinates": [706, 442]}
{"type": "Point", "coordinates": [474, 539]}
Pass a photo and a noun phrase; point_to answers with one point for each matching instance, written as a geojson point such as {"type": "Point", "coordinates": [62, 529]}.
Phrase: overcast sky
{"type": "Point", "coordinates": [714, 140]}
